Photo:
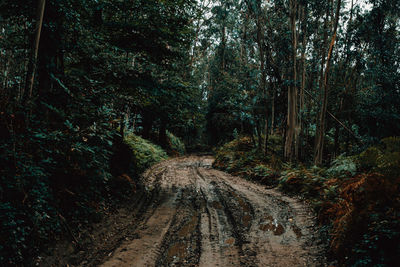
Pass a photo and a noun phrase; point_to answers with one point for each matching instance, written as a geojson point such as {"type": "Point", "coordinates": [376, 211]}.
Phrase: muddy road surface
{"type": "Point", "coordinates": [199, 216]}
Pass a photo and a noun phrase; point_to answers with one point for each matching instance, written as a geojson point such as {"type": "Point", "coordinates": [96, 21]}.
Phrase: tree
{"type": "Point", "coordinates": [319, 143]}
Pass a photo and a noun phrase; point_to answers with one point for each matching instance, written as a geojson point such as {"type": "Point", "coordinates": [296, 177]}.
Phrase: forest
{"type": "Point", "coordinates": [114, 110]}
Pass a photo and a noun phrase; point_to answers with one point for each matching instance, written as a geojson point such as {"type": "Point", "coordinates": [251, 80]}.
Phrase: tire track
{"type": "Point", "coordinates": [204, 217]}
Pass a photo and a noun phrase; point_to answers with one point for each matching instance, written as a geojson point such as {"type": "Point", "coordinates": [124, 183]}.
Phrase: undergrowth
{"type": "Point", "coordinates": [175, 145]}
{"type": "Point", "coordinates": [145, 153]}
{"type": "Point", "coordinates": [356, 198]}
{"type": "Point", "coordinates": [50, 194]}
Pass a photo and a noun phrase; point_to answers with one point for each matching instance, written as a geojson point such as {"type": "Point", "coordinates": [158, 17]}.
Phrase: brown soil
{"type": "Point", "coordinates": [197, 216]}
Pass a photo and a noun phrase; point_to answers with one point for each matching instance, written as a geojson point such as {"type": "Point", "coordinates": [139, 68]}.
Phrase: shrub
{"type": "Point", "coordinates": [240, 157]}
{"type": "Point", "coordinates": [342, 167]}
{"type": "Point", "coordinates": [366, 220]}
{"type": "Point", "coordinates": [384, 158]}
{"type": "Point", "coordinates": [145, 153]}
{"type": "Point", "coordinates": [264, 174]}
{"type": "Point", "coordinates": [368, 159]}
{"type": "Point", "coordinates": [175, 145]}
{"type": "Point", "coordinates": [46, 173]}
{"type": "Point", "coordinates": [237, 156]}
{"type": "Point", "coordinates": [301, 181]}
{"type": "Point", "coordinates": [275, 144]}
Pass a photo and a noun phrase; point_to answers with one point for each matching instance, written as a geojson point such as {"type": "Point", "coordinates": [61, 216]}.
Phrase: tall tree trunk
{"type": "Point", "coordinates": [259, 134]}
{"type": "Point", "coordinates": [223, 45]}
{"type": "Point", "coordinates": [262, 85]}
{"type": "Point", "coordinates": [258, 17]}
{"type": "Point", "coordinates": [303, 83]}
{"type": "Point", "coordinates": [32, 61]}
{"type": "Point", "coordinates": [292, 133]}
{"type": "Point", "coordinates": [273, 108]}
{"type": "Point", "coordinates": [319, 145]}
{"type": "Point", "coordinates": [197, 33]}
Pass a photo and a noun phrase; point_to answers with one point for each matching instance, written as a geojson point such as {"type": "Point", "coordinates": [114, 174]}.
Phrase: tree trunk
{"type": "Point", "coordinates": [223, 44]}
{"type": "Point", "coordinates": [319, 145]}
{"type": "Point", "coordinates": [292, 133]}
{"type": "Point", "coordinates": [303, 84]}
{"type": "Point", "coordinates": [262, 85]}
{"type": "Point", "coordinates": [259, 134]}
{"type": "Point", "coordinates": [273, 108]}
{"type": "Point", "coordinates": [32, 61]}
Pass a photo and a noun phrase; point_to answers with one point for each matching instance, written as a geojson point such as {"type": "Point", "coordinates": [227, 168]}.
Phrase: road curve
{"type": "Point", "coordinates": [204, 217]}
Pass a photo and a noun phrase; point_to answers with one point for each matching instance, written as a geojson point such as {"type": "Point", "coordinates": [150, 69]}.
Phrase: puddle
{"type": "Point", "coordinates": [273, 226]}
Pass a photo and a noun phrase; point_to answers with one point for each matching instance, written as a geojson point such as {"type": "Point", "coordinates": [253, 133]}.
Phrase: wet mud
{"type": "Point", "coordinates": [204, 217]}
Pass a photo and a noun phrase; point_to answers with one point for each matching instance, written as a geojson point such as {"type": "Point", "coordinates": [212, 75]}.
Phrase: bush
{"type": "Point", "coordinates": [275, 144]}
{"type": "Point", "coordinates": [342, 167]}
{"type": "Point", "coordinates": [302, 181]}
{"type": "Point", "coordinates": [384, 158]}
{"type": "Point", "coordinates": [235, 155]}
{"type": "Point", "coordinates": [365, 220]}
{"type": "Point", "coordinates": [46, 173]}
{"type": "Point", "coordinates": [145, 153]}
{"type": "Point", "coordinates": [265, 174]}
{"type": "Point", "coordinates": [356, 198]}
{"type": "Point", "coordinates": [240, 157]}
{"type": "Point", "coordinates": [175, 145]}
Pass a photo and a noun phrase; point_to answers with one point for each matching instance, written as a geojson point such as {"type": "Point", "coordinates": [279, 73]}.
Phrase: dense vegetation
{"type": "Point", "coordinates": [308, 90]}
{"type": "Point", "coordinates": [75, 77]}
{"type": "Point", "coordinates": [355, 198]}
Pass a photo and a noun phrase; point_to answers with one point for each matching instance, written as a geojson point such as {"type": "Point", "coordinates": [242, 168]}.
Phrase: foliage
{"type": "Point", "coordinates": [210, 72]}
{"type": "Point", "coordinates": [60, 110]}
{"type": "Point", "coordinates": [365, 220]}
{"type": "Point", "coordinates": [384, 158]}
{"type": "Point", "coordinates": [356, 200]}
{"type": "Point", "coordinates": [145, 154]}
{"type": "Point", "coordinates": [240, 157]}
{"type": "Point", "coordinates": [301, 181]}
{"type": "Point", "coordinates": [175, 145]}
{"type": "Point", "coordinates": [342, 167]}
{"type": "Point", "coordinates": [230, 152]}
{"type": "Point", "coordinates": [46, 173]}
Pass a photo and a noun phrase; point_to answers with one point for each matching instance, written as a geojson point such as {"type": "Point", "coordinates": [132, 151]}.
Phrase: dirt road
{"type": "Point", "coordinates": [204, 217]}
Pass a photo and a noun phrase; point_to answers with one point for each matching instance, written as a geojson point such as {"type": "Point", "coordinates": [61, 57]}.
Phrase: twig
{"type": "Point", "coordinates": [68, 228]}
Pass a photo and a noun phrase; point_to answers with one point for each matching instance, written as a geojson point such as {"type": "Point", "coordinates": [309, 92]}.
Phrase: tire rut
{"type": "Point", "coordinates": [204, 217]}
